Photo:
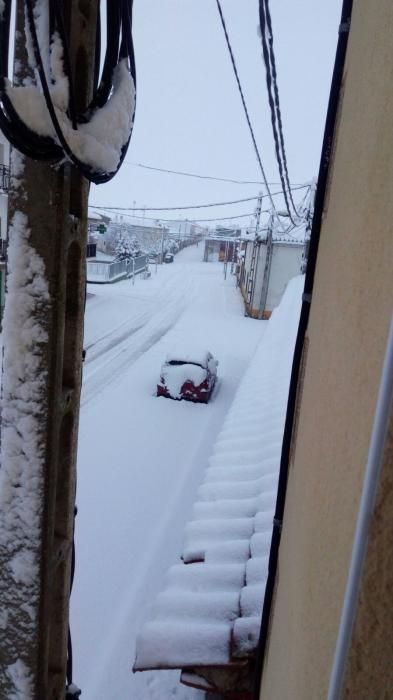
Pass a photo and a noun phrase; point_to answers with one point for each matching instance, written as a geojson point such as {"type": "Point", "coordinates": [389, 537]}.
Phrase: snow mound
{"type": "Point", "coordinates": [175, 376]}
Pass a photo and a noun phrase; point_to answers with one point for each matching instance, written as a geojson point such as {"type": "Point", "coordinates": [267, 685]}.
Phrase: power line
{"type": "Point", "coordinates": [193, 206]}
{"type": "Point", "coordinates": [274, 100]}
{"type": "Point", "coordinates": [201, 177]}
{"type": "Point", "coordinates": [244, 105]}
{"type": "Point", "coordinates": [181, 221]}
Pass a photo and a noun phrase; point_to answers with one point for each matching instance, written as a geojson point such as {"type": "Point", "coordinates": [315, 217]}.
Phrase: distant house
{"type": "Point", "coordinates": [220, 249]}
{"type": "Point", "coordinates": [183, 230]}
{"type": "Point", "coordinates": [98, 225]}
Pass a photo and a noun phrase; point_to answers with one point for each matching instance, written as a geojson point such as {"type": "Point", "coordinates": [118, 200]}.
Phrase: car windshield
{"type": "Point", "coordinates": [184, 362]}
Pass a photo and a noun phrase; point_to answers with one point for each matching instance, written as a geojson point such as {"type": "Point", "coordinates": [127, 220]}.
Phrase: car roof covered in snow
{"type": "Point", "coordinates": [198, 356]}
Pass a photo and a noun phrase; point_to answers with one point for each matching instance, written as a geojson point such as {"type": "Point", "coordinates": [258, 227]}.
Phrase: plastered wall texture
{"type": "Point", "coordinates": [349, 321]}
{"type": "Point", "coordinates": [370, 667]}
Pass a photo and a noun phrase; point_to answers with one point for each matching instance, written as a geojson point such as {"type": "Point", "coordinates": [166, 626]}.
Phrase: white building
{"type": "Point", "coordinates": [265, 268]}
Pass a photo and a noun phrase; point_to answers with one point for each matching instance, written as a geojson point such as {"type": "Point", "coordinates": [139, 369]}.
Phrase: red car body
{"type": "Point", "coordinates": [192, 378]}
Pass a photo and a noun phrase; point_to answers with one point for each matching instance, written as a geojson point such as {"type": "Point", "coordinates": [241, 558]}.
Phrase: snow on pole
{"type": "Point", "coordinates": [22, 458]}
{"type": "Point", "coordinates": [43, 340]}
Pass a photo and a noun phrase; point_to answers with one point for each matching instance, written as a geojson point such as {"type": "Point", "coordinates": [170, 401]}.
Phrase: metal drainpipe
{"type": "Point", "coordinates": [254, 281]}
{"type": "Point", "coordinates": [267, 270]}
{"type": "Point", "coordinates": [366, 509]}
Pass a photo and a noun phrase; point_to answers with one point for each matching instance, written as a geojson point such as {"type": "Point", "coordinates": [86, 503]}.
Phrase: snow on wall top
{"type": "Point", "coordinates": [209, 613]}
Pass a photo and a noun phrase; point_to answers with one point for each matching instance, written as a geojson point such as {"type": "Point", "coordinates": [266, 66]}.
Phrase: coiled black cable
{"type": "Point", "coordinates": [274, 102]}
{"type": "Point", "coordinates": [119, 48]}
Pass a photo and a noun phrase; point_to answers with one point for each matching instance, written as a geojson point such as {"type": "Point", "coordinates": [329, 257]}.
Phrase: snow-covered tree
{"type": "Point", "coordinates": [134, 246]}
{"type": "Point", "coordinates": [126, 246]}
{"type": "Point", "coordinates": [123, 248]}
{"type": "Point", "coordinates": [172, 246]}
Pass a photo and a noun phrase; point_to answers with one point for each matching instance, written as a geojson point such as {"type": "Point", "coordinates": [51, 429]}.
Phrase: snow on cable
{"type": "Point", "coordinates": [209, 613]}
{"type": "Point", "coordinates": [97, 143]}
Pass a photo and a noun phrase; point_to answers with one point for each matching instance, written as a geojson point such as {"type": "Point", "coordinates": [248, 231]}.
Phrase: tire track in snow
{"type": "Point", "coordinates": [120, 332]}
{"type": "Point", "coordinates": [110, 364]}
{"type": "Point", "coordinates": [109, 340]}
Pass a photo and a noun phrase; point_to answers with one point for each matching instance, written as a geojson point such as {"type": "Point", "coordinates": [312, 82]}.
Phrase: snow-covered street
{"type": "Point", "coordinates": [141, 458]}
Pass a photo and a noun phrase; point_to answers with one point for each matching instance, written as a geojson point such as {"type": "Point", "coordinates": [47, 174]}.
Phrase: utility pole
{"type": "Point", "coordinates": [162, 246]}
{"type": "Point", "coordinates": [251, 277]}
{"type": "Point", "coordinates": [258, 212]}
{"type": "Point", "coordinates": [50, 204]}
{"type": "Point", "coordinates": [226, 259]}
{"type": "Point", "coordinates": [268, 265]}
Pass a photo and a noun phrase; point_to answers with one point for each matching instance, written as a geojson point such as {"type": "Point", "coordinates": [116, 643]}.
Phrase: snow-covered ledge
{"type": "Point", "coordinates": [207, 620]}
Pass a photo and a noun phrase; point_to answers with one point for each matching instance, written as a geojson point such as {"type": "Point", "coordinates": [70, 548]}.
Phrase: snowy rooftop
{"type": "Point", "coordinates": [95, 215]}
{"type": "Point", "coordinates": [209, 613]}
{"type": "Point", "coordinates": [295, 235]}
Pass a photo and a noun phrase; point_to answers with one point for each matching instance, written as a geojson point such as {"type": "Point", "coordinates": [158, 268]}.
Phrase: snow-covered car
{"type": "Point", "coordinates": [168, 258]}
{"type": "Point", "coordinates": [188, 375]}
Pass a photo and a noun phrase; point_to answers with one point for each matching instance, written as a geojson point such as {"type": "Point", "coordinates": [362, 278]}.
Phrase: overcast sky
{"type": "Point", "coordinates": [189, 115]}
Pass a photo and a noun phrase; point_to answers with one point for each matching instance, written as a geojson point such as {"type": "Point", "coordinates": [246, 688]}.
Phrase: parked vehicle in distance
{"type": "Point", "coordinates": [188, 375]}
{"type": "Point", "coordinates": [169, 258]}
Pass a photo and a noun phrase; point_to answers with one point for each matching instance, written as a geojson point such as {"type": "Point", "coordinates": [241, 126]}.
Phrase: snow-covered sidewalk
{"type": "Point", "coordinates": [207, 619]}
{"type": "Point", "coordinates": [141, 458]}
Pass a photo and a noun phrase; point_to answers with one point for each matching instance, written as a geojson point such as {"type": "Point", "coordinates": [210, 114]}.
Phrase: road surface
{"type": "Point", "coordinates": [141, 458]}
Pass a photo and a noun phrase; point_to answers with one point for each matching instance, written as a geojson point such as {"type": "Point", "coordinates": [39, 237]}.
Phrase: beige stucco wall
{"type": "Point", "coordinates": [351, 308]}
{"type": "Point", "coordinates": [369, 668]}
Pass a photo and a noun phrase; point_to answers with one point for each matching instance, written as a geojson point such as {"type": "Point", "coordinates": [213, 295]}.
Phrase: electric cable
{"type": "Point", "coordinates": [72, 691]}
{"type": "Point", "coordinates": [119, 48]}
{"type": "Point", "coordinates": [192, 221]}
{"type": "Point", "coordinates": [283, 233]}
{"type": "Point", "coordinates": [273, 98]}
{"type": "Point", "coordinates": [204, 177]}
{"type": "Point", "coordinates": [245, 105]}
{"type": "Point", "coordinates": [277, 98]}
{"type": "Point", "coordinates": [191, 206]}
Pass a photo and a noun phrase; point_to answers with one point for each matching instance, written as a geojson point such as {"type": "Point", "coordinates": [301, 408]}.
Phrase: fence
{"type": "Point", "coordinates": [91, 251]}
{"type": "Point", "coordinates": [104, 271]}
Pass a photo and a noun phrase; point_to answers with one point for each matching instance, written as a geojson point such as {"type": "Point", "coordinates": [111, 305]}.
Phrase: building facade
{"type": "Point", "coordinates": [264, 271]}
{"type": "Point", "coordinates": [343, 355]}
